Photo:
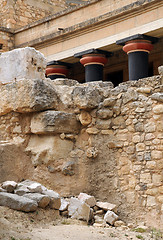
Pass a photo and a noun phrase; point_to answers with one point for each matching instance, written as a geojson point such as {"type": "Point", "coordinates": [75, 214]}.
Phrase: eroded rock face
{"type": "Point", "coordinates": [54, 122]}
{"type": "Point", "coordinates": [17, 202]}
{"type": "Point", "coordinates": [23, 63]}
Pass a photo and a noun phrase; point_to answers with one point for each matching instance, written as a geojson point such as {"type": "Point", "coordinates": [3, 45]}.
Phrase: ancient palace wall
{"type": "Point", "coordinates": [89, 137]}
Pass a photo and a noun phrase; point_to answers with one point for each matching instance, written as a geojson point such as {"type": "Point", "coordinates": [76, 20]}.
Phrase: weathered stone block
{"type": "Point", "coordinates": [54, 122]}
{"type": "Point", "coordinates": [85, 118]}
{"type": "Point", "coordinates": [157, 96]}
{"type": "Point", "coordinates": [107, 206]}
{"type": "Point", "coordinates": [23, 63]}
{"type": "Point", "coordinates": [64, 205]}
{"type": "Point", "coordinates": [28, 96]}
{"type": "Point", "coordinates": [158, 109]}
{"type": "Point", "coordinates": [17, 202]}
{"type": "Point", "coordinates": [9, 186]}
{"type": "Point", "coordinates": [55, 200]}
{"type": "Point", "coordinates": [42, 200]}
{"type": "Point", "coordinates": [110, 217]}
{"type": "Point", "coordinates": [78, 209]}
{"type": "Point", "coordinates": [88, 199]}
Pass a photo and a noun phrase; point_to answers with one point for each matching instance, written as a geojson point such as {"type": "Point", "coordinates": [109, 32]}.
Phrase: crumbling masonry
{"type": "Point", "coordinates": [87, 137]}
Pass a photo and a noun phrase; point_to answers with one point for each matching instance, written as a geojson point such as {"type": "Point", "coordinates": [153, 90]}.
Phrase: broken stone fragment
{"type": "Point", "coordinates": [26, 63]}
{"type": "Point", "coordinates": [2, 190]}
{"type": "Point", "coordinates": [28, 95]}
{"type": "Point", "coordinates": [86, 97]}
{"type": "Point", "coordinates": [54, 122]}
{"type": "Point", "coordinates": [157, 96]}
{"type": "Point", "coordinates": [92, 152]}
{"type": "Point", "coordinates": [9, 186]}
{"type": "Point", "coordinates": [98, 219]}
{"type": "Point", "coordinates": [119, 223]}
{"type": "Point", "coordinates": [107, 206]}
{"type": "Point", "coordinates": [35, 188]}
{"type": "Point", "coordinates": [79, 210]}
{"type": "Point", "coordinates": [69, 168]}
{"type": "Point", "coordinates": [64, 205]}
{"type": "Point", "coordinates": [16, 202]}
{"type": "Point", "coordinates": [42, 200]}
{"type": "Point", "coordinates": [110, 217]}
{"type": "Point", "coordinates": [85, 118]}
{"type": "Point", "coordinates": [88, 199]}
{"type": "Point", "coordinates": [55, 200]}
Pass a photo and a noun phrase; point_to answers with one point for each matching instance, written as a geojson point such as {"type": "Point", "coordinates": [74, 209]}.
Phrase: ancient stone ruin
{"type": "Point", "coordinates": [91, 138]}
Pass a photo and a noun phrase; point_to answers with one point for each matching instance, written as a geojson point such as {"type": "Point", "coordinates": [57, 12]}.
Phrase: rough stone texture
{"type": "Point", "coordinates": [27, 96]}
{"type": "Point", "coordinates": [9, 186]}
{"type": "Point", "coordinates": [78, 209]}
{"type": "Point", "coordinates": [17, 202]}
{"type": "Point", "coordinates": [55, 200]}
{"type": "Point", "coordinates": [54, 122]}
{"type": "Point", "coordinates": [90, 200]}
{"type": "Point", "coordinates": [42, 200]}
{"type": "Point", "coordinates": [107, 206]}
{"type": "Point", "coordinates": [64, 205]}
{"type": "Point", "coordinates": [127, 170]}
{"type": "Point", "coordinates": [110, 217]}
{"type": "Point", "coordinates": [18, 64]}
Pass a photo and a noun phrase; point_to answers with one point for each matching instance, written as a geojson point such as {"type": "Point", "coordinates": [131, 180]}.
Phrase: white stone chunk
{"type": "Point", "coordinates": [9, 186]}
{"type": "Point", "coordinates": [22, 63]}
{"type": "Point", "coordinates": [16, 202]}
{"type": "Point", "coordinates": [55, 200]}
{"type": "Point", "coordinates": [64, 205]}
{"type": "Point", "coordinates": [88, 199]}
{"type": "Point", "coordinates": [107, 206]}
{"type": "Point", "coordinates": [78, 210]}
{"type": "Point", "coordinates": [35, 188]}
{"type": "Point", "coordinates": [110, 217]}
{"type": "Point", "coordinates": [42, 200]}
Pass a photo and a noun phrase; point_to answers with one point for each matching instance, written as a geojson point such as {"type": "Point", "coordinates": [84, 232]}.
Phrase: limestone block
{"type": "Point", "coordinates": [98, 219]}
{"type": "Point", "coordinates": [105, 113]}
{"type": "Point", "coordinates": [17, 202]}
{"type": "Point", "coordinates": [55, 200]}
{"type": "Point", "coordinates": [140, 147]}
{"type": "Point", "coordinates": [158, 109]}
{"type": "Point", "coordinates": [85, 118]}
{"type": "Point", "coordinates": [151, 201]}
{"type": "Point", "coordinates": [103, 124]}
{"type": "Point", "coordinates": [21, 190]}
{"type": "Point", "coordinates": [88, 199]}
{"type": "Point", "coordinates": [156, 154]}
{"type": "Point", "coordinates": [42, 200]}
{"type": "Point", "coordinates": [107, 206]}
{"type": "Point", "coordinates": [160, 198]}
{"type": "Point", "coordinates": [150, 127]}
{"type": "Point", "coordinates": [92, 130]}
{"type": "Point", "coordinates": [145, 177]}
{"type": "Point", "coordinates": [22, 63]}
{"type": "Point", "coordinates": [115, 144]}
{"type": "Point", "coordinates": [86, 97]}
{"type": "Point", "coordinates": [28, 96]}
{"type": "Point", "coordinates": [2, 190]}
{"type": "Point", "coordinates": [109, 102]}
{"type": "Point", "coordinates": [64, 205]}
{"type": "Point", "coordinates": [157, 96]}
{"type": "Point", "coordinates": [44, 149]}
{"type": "Point", "coordinates": [9, 186]}
{"type": "Point", "coordinates": [110, 217]}
{"type": "Point", "coordinates": [130, 95]}
{"type": "Point", "coordinates": [144, 90]}
{"type": "Point", "coordinates": [78, 210]}
{"type": "Point", "coordinates": [54, 122]}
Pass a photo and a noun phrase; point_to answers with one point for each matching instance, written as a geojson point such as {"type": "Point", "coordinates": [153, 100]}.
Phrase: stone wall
{"type": "Point", "coordinates": [87, 137]}
{"type": "Point", "coordinates": [16, 14]}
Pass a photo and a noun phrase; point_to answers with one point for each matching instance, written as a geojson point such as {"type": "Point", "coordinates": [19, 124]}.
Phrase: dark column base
{"type": "Point", "coordinates": [93, 72]}
{"type": "Point", "coordinates": [138, 65]}
{"type": "Point", "coordinates": [53, 77]}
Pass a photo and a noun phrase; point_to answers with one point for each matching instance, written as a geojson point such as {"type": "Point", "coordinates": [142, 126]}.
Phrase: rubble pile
{"type": "Point", "coordinates": [28, 195]}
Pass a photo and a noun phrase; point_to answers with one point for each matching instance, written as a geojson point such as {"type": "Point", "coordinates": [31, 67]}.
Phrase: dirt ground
{"type": "Point", "coordinates": [49, 225]}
